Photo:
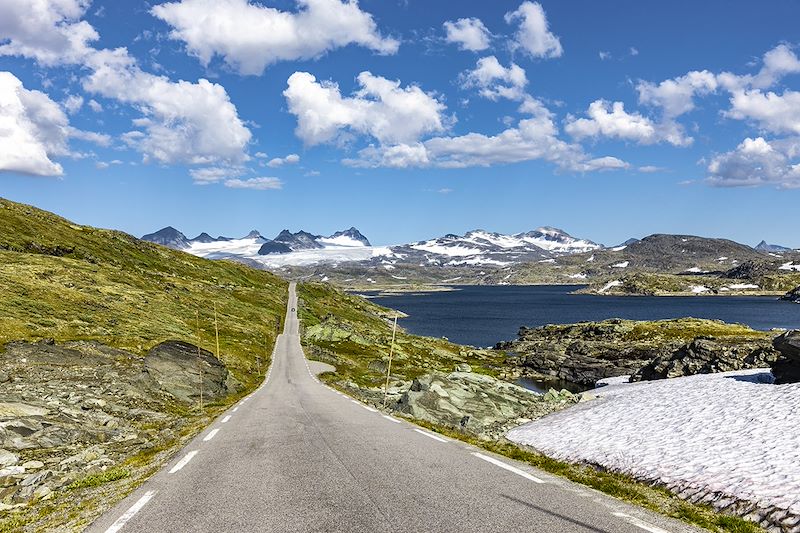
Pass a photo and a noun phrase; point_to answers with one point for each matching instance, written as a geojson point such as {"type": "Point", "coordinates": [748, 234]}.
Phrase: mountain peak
{"type": "Point", "coordinates": [764, 246]}
{"type": "Point", "coordinates": [169, 237]}
{"type": "Point", "coordinates": [351, 234]}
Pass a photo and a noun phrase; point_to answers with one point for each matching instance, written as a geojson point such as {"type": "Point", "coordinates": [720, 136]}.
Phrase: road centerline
{"type": "Point", "coordinates": [211, 435]}
{"type": "Point", "coordinates": [183, 462]}
{"type": "Point", "coordinates": [130, 513]}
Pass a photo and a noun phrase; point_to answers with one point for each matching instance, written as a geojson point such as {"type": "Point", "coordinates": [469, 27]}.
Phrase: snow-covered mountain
{"type": "Point", "coordinates": [478, 247]}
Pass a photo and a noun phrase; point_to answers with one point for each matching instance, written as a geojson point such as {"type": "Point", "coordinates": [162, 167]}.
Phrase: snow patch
{"type": "Point", "coordinates": [609, 285]}
{"type": "Point", "coordinates": [722, 432]}
{"type": "Point", "coordinates": [790, 266]}
{"type": "Point", "coordinates": [623, 264]}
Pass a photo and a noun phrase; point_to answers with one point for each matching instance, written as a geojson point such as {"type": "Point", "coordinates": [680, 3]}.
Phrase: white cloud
{"type": "Point", "coordinates": [611, 120]}
{"type": "Point", "coordinates": [182, 122]}
{"type": "Point", "coordinates": [675, 97]}
{"type": "Point", "coordinates": [49, 31]}
{"type": "Point", "coordinates": [249, 37]}
{"type": "Point", "coordinates": [633, 51]}
{"type": "Point", "coordinates": [33, 130]}
{"type": "Point", "coordinates": [290, 159]}
{"type": "Point", "coordinates": [494, 81]}
{"type": "Point", "coordinates": [261, 155]}
{"type": "Point", "coordinates": [100, 139]}
{"type": "Point", "coordinates": [604, 55]}
{"type": "Point", "coordinates": [381, 108]}
{"type": "Point", "coordinates": [445, 190]}
{"type": "Point", "coordinates": [208, 175]}
{"type": "Point", "coordinates": [95, 106]}
{"type": "Point", "coordinates": [772, 112]}
{"type": "Point", "coordinates": [650, 169]}
{"type": "Point", "coordinates": [533, 35]}
{"type": "Point", "coordinates": [776, 64]}
{"type": "Point", "coordinates": [756, 162]}
{"type": "Point", "coordinates": [468, 34]}
{"type": "Point", "coordinates": [260, 184]}
{"type": "Point", "coordinates": [72, 103]}
{"type": "Point", "coordinates": [535, 137]}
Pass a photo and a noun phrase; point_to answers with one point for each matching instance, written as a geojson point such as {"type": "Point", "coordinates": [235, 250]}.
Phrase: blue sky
{"type": "Point", "coordinates": [405, 119]}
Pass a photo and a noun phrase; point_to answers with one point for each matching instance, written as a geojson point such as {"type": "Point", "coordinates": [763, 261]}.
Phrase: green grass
{"type": "Point", "coordinates": [93, 480]}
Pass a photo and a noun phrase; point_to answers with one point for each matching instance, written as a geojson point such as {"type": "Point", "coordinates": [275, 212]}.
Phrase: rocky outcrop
{"type": "Point", "coordinates": [476, 403]}
{"type": "Point", "coordinates": [589, 351]}
{"type": "Point", "coordinates": [177, 366]}
{"type": "Point", "coordinates": [74, 409]}
{"type": "Point", "coordinates": [792, 296]}
{"type": "Point", "coordinates": [706, 356]}
{"type": "Point", "coordinates": [786, 367]}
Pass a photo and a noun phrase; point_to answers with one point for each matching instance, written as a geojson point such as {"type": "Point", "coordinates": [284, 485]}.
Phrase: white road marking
{"type": "Point", "coordinates": [355, 402]}
{"type": "Point", "coordinates": [387, 417]}
{"type": "Point", "coordinates": [228, 417]}
{"type": "Point", "coordinates": [210, 435]}
{"type": "Point", "coordinates": [235, 408]}
{"type": "Point", "coordinates": [135, 508]}
{"type": "Point", "coordinates": [641, 524]}
{"type": "Point", "coordinates": [183, 462]}
{"type": "Point", "coordinates": [430, 435]}
{"type": "Point", "coordinates": [510, 468]}
{"type": "Point", "coordinates": [370, 409]}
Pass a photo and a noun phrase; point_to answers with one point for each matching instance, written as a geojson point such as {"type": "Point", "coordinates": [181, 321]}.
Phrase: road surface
{"type": "Point", "coordinates": [297, 456]}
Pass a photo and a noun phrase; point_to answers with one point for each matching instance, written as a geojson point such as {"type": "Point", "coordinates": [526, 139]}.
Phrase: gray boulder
{"type": "Point", "coordinates": [474, 403]}
{"type": "Point", "coordinates": [786, 367]}
{"type": "Point", "coordinates": [176, 368]}
{"type": "Point", "coordinates": [705, 356]}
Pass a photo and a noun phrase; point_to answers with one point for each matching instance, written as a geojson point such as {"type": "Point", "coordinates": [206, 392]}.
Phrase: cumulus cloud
{"type": "Point", "coordinates": [33, 130]}
{"type": "Point", "coordinates": [533, 138]}
{"type": "Point", "coordinates": [757, 162]}
{"type": "Point", "coordinates": [260, 184]}
{"type": "Point", "coordinates": [380, 108]}
{"type": "Point", "coordinates": [771, 111]}
{"type": "Point", "coordinates": [182, 122]}
{"type": "Point", "coordinates": [611, 120]}
{"type": "Point", "coordinates": [776, 64]}
{"type": "Point", "coordinates": [95, 106]}
{"type": "Point", "coordinates": [494, 81]}
{"type": "Point", "coordinates": [249, 37]}
{"type": "Point", "coordinates": [468, 33]}
{"type": "Point", "coordinates": [49, 31]}
{"type": "Point", "coordinates": [675, 97]}
{"type": "Point", "coordinates": [290, 159]}
{"type": "Point", "coordinates": [533, 35]}
{"type": "Point", "coordinates": [72, 103]}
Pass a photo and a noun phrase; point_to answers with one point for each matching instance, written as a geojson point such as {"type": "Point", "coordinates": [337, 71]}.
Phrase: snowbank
{"type": "Point", "coordinates": [719, 437]}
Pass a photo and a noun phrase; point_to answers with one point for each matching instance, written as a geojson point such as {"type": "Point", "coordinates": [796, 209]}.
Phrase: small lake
{"type": "Point", "coordinates": [484, 315]}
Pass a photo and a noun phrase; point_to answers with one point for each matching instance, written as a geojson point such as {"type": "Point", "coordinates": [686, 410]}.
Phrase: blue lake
{"type": "Point", "coordinates": [484, 315]}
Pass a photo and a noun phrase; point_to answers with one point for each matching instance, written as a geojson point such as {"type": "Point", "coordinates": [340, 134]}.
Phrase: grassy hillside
{"type": "Point", "coordinates": [65, 281]}
{"type": "Point", "coordinates": [68, 282]}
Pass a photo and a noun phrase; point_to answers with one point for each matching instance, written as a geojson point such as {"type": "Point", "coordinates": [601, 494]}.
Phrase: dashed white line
{"type": "Point", "coordinates": [227, 417]}
{"type": "Point", "coordinates": [387, 417]}
{"type": "Point", "coordinates": [641, 524]}
{"type": "Point", "coordinates": [235, 408]}
{"type": "Point", "coordinates": [430, 435]}
{"type": "Point", "coordinates": [183, 462]}
{"type": "Point", "coordinates": [135, 508]}
{"type": "Point", "coordinates": [510, 468]}
{"type": "Point", "coordinates": [210, 435]}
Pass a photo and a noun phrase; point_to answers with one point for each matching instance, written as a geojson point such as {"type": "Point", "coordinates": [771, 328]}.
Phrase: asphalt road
{"type": "Point", "coordinates": [298, 456]}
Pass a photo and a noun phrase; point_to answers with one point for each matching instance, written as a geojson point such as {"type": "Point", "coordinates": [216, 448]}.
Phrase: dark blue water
{"type": "Point", "coordinates": [484, 315]}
